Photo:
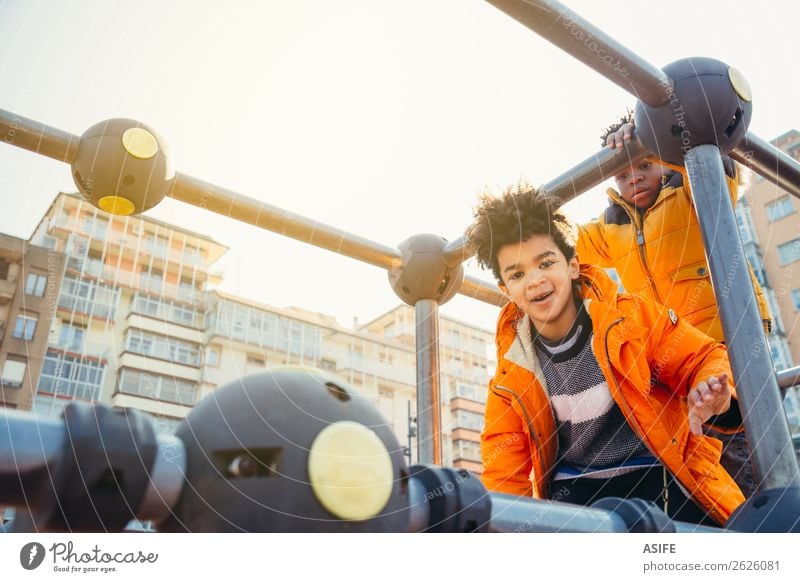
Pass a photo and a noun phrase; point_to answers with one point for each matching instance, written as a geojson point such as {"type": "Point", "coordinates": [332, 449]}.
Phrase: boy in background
{"type": "Point", "coordinates": [650, 234]}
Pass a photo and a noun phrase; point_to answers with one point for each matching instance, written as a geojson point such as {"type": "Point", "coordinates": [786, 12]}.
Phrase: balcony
{"type": "Point", "coordinates": [101, 352]}
{"type": "Point", "coordinates": [82, 305]}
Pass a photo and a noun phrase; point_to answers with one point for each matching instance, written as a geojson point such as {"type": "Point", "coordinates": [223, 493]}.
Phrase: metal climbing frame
{"type": "Point", "coordinates": [443, 276]}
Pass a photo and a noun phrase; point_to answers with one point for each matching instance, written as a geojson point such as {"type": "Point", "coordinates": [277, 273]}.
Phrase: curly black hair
{"type": "Point", "coordinates": [627, 118]}
{"type": "Point", "coordinates": [520, 212]}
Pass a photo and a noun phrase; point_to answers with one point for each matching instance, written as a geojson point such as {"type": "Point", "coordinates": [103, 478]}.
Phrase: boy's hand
{"type": "Point", "coordinates": [620, 137]}
{"type": "Point", "coordinates": [707, 399]}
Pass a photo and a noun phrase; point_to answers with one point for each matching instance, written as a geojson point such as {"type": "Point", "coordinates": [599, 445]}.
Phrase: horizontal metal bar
{"type": "Point", "coordinates": [770, 162]}
{"type": "Point", "coordinates": [523, 515]}
{"type": "Point", "coordinates": [251, 211]}
{"type": "Point", "coordinates": [789, 378]}
{"type": "Point", "coordinates": [570, 32]}
{"type": "Point", "coordinates": [37, 137]}
{"type": "Point", "coordinates": [482, 291]}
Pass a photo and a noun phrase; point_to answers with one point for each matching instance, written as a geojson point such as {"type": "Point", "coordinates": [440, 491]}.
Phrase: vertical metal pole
{"type": "Point", "coordinates": [429, 396]}
{"type": "Point", "coordinates": [412, 431]}
{"type": "Point", "coordinates": [773, 456]}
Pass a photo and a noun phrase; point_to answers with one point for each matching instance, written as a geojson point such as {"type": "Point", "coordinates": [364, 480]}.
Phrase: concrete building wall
{"type": "Point", "coordinates": [30, 277]}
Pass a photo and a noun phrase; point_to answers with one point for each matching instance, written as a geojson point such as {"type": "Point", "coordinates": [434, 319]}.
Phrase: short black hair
{"type": "Point", "coordinates": [520, 212]}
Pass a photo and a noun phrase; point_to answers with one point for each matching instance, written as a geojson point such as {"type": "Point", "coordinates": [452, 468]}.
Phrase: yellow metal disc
{"type": "Point", "coordinates": [116, 205]}
{"type": "Point", "coordinates": [350, 471]}
{"type": "Point", "coordinates": [740, 84]}
{"type": "Point", "coordinates": [140, 143]}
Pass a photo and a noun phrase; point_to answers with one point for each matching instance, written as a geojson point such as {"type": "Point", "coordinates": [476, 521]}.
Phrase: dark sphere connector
{"type": "Point", "coordinates": [423, 273]}
{"type": "Point", "coordinates": [709, 103]}
{"type": "Point", "coordinates": [123, 167]}
{"type": "Point", "coordinates": [291, 450]}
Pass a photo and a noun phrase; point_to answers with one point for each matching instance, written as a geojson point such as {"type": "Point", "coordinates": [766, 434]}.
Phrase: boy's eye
{"type": "Point", "coordinates": [622, 176]}
{"type": "Point", "coordinates": [546, 264]}
{"type": "Point", "coordinates": [516, 275]}
{"type": "Point", "coordinates": [645, 165]}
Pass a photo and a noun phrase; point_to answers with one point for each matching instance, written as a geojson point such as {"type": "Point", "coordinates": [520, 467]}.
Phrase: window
{"type": "Point", "coordinates": [71, 376]}
{"type": "Point", "coordinates": [164, 348]}
{"type": "Point", "coordinates": [469, 420]}
{"type": "Point", "coordinates": [780, 208]}
{"type": "Point", "coordinates": [796, 299]}
{"type": "Point", "coordinates": [152, 280]}
{"type": "Point", "coordinates": [35, 284]}
{"type": "Point", "coordinates": [327, 364]}
{"type": "Point", "coordinates": [471, 392]}
{"type": "Point", "coordinates": [13, 373]}
{"type": "Point", "coordinates": [212, 357]}
{"type": "Point", "coordinates": [789, 252]}
{"type": "Point", "coordinates": [25, 327]}
{"type": "Point", "coordinates": [4, 269]}
{"type": "Point", "coordinates": [158, 387]}
{"type": "Point", "coordinates": [71, 337]}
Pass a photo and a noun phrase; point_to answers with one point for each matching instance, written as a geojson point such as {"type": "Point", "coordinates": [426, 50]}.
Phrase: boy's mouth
{"type": "Point", "coordinates": [540, 297]}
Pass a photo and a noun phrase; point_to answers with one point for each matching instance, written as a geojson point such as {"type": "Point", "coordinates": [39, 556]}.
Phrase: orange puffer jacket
{"type": "Point", "coordinates": [660, 253]}
{"type": "Point", "coordinates": [650, 359]}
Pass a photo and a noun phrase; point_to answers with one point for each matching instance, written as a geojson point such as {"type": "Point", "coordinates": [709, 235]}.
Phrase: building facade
{"type": "Point", "coordinates": [776, 226]}
{"type": "Point", "coordinates": [129, 326]}
{"type": "Point", "coordinates": [30, 278]}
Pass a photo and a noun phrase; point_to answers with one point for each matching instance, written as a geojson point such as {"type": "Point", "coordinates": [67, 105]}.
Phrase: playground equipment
{"type": "Point", "coordinates": [688, 113]}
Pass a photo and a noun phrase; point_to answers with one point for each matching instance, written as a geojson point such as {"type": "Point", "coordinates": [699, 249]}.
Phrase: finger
{"type": "Point", "coordinates": [627, 131]}
{"type": "Point", "coordinates": [701, 389]}
{"type": "Point", "coordinates": [695, 424]}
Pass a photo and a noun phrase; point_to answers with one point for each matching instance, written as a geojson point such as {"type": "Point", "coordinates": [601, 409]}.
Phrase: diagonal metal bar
{"type": "Point", "coordinates": [580, 38]}
{"type": "Point", "coordinates": [770, 162]}
{"type": "Point", "coordinates": [587, 174]}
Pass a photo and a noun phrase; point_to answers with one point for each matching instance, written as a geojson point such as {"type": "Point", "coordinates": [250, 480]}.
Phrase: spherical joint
{"type": "Point", "coordinates": [123, 167]}
{"type": "Point", "coordinates": [291, 450]}
{"type": "Point", "coordinates": [709, 103]}
{"type": "Point", "coordinates": [423, 273]}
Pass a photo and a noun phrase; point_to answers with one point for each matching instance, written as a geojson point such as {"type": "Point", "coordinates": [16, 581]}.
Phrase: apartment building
{"type": "Point", "coordinates": [776, 226]}
{"type": "Point", "coordinates": [467, 362]}
{"type": "Point", "coordinates": [30, 278]}
{"type": "Point", "coordinates": [129, 324]}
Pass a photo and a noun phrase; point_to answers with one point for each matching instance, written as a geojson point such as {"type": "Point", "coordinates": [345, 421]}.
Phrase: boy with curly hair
{"type": "Point", "coordinates": [650, 234]}
{"type": "Point", "coordinates": [596, 393]}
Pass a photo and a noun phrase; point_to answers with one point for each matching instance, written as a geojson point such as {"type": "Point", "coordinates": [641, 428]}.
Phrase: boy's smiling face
{"type": "Point", "coordinates": [538, 278]}
{"type": "Point", "coordinates": [639, 185]}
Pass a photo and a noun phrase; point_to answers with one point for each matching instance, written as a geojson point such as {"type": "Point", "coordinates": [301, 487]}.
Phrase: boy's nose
{"type": "Point", "coordinates": [533, 279]}
{"type": "Point", "coordinates": [636, 177]}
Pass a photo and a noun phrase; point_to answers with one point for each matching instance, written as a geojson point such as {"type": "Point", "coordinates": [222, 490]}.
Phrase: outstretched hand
{"type": "Point", "coordinates": [620, 137]}
{"type": "Point", "coordinates": [706, 400]}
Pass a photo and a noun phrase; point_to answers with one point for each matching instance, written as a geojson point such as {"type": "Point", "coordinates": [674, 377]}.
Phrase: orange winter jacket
{"type": "Point", "coordinates": [660, 253]}
{"type": "Point", "coordinates": [650, 359]}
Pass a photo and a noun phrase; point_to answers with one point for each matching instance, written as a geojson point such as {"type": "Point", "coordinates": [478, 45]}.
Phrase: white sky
{"type": "Point", "coordinates": [379, 117]}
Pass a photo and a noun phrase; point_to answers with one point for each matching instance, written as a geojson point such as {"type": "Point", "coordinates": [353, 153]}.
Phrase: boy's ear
{"type": "Point", "coordinates": [574, 268]}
